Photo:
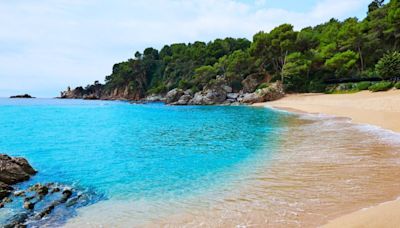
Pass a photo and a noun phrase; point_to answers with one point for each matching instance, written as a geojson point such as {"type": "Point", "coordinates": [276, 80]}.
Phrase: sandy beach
{"type": "Point", "coordinates": [380, 109]}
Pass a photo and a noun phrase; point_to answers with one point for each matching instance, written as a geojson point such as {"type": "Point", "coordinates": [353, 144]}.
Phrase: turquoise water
{"type": "Point", "coordinates": [120, 150]}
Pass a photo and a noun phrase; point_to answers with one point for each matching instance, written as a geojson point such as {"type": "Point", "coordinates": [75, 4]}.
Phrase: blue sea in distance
{"type": "Point", "coordinates": [128, 151]}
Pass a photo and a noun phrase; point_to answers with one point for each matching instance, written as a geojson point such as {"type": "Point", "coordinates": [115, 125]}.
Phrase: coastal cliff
{"type": "Point", "coordinates": [217, 92]}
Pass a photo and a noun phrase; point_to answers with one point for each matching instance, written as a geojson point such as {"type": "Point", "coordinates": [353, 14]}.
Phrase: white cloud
{"type": "Point", "coordinates": [47, 45]}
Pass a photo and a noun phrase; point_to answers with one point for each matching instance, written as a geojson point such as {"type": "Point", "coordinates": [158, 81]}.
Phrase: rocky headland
{"type": "Point", "coordinates": [254, 90]}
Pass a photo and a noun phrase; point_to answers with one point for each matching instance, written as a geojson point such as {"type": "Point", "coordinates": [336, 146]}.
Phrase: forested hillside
{"type": "Point", "coordinates": [304, 61]}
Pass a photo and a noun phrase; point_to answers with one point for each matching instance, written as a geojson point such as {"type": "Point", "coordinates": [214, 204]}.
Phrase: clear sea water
{"type": "Point", "coordinates": [154, 165]}
{"type": "Point", "coordinates": [127, 151]}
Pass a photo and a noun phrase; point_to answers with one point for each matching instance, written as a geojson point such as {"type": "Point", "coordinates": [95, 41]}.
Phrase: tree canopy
{"type": "Point", "coordinates": [301, 59]}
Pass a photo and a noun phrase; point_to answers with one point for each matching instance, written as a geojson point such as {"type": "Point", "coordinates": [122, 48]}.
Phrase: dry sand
{"type": "Point", "coordinates": [381, 109]}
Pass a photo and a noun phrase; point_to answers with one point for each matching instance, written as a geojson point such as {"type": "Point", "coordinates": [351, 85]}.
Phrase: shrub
{"type": "Point", "coordinates": [158, 89]}
{"type": "Point", "coordinates": [262, 86]}
{"type": "Point", "coordinates": [343, 88]}
{"type": "Point", "coordinates": [316, 87]}
{"type": "Point", "coordinates": [381, 86]}
{"type": "Point", "coordinates": [363, 85]}
{"type": "Point", "coordinates": [397, 85]}
{"type": "Point", "coordinates": [389, 65]}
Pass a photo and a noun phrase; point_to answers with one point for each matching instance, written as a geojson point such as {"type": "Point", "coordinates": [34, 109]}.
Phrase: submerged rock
{"type": "Point", "coordinates": [40, 189]}
{"type": "Point", "coordinates": [5, 190]}
{"type": "Point", "coordinates": [39, 201]}
{"type": "Point", "coordinates": [29, 205]}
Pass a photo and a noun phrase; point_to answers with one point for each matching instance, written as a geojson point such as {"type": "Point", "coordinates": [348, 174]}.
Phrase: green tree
{"type": "Point", "coordinates": [350, 37]}
{"type": "Point", "coordinates": [236, 67]}
{"type": "Point", "coordinates": [342, 63]}
{"type": "Point", "coordinates": [296, 72]}
{"type": "Point", "coordinates": [203, 75]}
{"type": "Point", "coordinates": [388, 66]}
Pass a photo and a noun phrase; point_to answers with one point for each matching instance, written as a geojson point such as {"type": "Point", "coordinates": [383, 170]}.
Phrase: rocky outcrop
{"type": "Point", "coordinates": [217, 91]}
{"type": "Point", "coordinates": [173, 95]}
{"type": "Point", "coordinates": [14, 170]}
{"type": "Point", "coordinates": [39, 201]}
{"type": "Point", "coordinates": [154, 98]}
{"type": "Point", "coordinates": [273, 92]}
{"type": "Point", "coordinates": [22, 96]}
{"type": "Point", "coordinates": [220, 93]}
{"type": "Point", "coordinates": [251, 82]}
{"type": "Point", "coordinates": [36, 202]}
{"type": "Point", "coordinates": [209, 97]}
{"type": "Point", "coordinates": [183, 100]}
{"type": "Point", "coordinates": [90, 92]}
{"type": "Point", "coordinates": [99, 91]}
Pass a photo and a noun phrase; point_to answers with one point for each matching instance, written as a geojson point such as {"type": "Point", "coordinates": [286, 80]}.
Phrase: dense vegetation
{"type": "Point", "coordinates": [306, 60]}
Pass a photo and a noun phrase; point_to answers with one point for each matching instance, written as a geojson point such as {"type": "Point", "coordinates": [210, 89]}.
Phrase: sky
{"type": "Point", "coordinates": [48, 45]}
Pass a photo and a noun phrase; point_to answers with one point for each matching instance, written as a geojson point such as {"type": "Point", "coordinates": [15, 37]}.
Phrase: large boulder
{"type": "Point", "coordinates": [270, 93]}
{"type": "Point", "coordinates": [233, 96]}
{"type": "Point", "coordinates": [14, 170]}
{"type": "Point", "coordinates": [227, 88]}
{"type": "Point", "coordinates": [209, 97]}
{"type": "Point", "coordinates": [173, 96]}
{"type": "Point", "coordinates": [214, 93]}
{"type": "Point", "coordinates": [251, 82]}
{"type": "Point", "coordinates": [251, 98]}
{"type": "Point", "coordinates": [154, 98]}
{"type": "Point", "coordinates": [183, 100]}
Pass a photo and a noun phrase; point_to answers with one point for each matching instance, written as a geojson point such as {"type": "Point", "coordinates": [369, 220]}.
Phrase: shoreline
{"type": "Point", "coordinates": [378, 109]}
{"type": "Point", "coordinates": [381, 109]}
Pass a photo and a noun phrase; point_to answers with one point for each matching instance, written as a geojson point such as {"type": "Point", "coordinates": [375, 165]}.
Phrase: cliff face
{"type": "Point", "coordinates": [99, 91]}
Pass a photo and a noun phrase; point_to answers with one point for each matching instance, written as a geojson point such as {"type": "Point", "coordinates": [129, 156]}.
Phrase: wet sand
{"type": "Point", "coordinates": [380, 109]}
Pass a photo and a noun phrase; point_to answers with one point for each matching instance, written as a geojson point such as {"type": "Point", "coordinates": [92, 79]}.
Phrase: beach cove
{"type": "Point", "coordinates": [282, 170]}
{"type": "Point", "coordinates": [379, 109]}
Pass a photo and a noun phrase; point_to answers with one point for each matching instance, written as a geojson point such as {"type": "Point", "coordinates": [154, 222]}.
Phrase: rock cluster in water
{"type": "Point", "coordinates": [214, 93]}
{"type": "Point", "coordinates": [22, 96]}
{"type": "Point", "coordinates": [36, 201]}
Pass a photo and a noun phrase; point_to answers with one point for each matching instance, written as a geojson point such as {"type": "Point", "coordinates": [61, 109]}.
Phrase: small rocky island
{"type": "Point", "coordinates": [35, 202]}
{"type": "Point", "coordinates": [22, 96]}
